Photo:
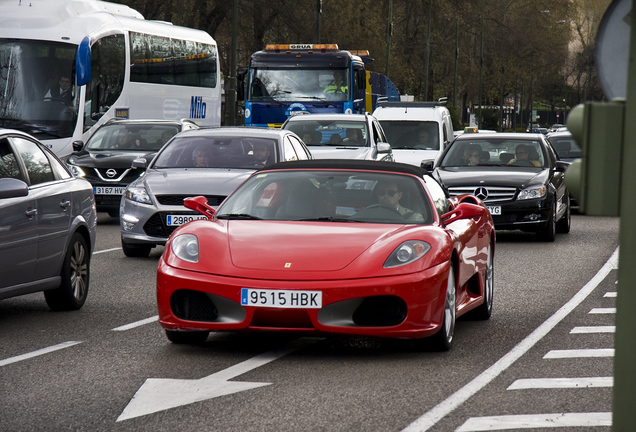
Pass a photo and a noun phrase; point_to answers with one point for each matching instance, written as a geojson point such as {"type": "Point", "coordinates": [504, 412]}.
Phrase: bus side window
{"type": "Point", "coordinates": [107, 77]}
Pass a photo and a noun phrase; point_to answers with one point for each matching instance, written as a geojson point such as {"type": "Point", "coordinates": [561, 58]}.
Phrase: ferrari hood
{"type": "Point", "coordinates": [342, 152]}
{"type": "Point", "coordinates": [195, 181]}
{"type": "Point", "coordinates": [303, 246]}
{"type": "Point", "coordinates": [500, 176]}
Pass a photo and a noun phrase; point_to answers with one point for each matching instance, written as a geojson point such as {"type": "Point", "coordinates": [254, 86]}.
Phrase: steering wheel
{"type": "Point", "coordinates": [523, 163]}
{"type": "Point", "coordinates": [49, 98]}
{"type": "Point", "coordinates": [384, 206]}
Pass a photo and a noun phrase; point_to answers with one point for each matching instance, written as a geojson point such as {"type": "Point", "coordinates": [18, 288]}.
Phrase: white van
{"type": "Point", "coordinates": [417, 131]}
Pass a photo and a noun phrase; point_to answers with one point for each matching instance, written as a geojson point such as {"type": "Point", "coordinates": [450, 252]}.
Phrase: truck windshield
{"type": "Point", "coordinates": [299, 85]}
{"type": "Point", "coordinates": [37, 90]}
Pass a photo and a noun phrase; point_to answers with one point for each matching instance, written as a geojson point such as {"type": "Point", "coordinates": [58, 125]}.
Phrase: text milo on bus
{"type": "Point", "coordinates": [285, 80]}
{"type": "Point", "coordinates": [67, 66]}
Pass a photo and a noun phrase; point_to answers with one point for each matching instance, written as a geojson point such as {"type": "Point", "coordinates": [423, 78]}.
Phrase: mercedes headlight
{"type": "Point", "coordinates": [532, 193]}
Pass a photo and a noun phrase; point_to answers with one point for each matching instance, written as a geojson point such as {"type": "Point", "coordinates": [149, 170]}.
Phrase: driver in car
{"type": "Point", "coordinates": [522, 154]}
{"type": "Point", "coordinates": [389, 194]}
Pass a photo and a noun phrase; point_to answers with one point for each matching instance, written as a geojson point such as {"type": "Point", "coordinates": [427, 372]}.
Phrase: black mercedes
{"type": "Point", "coordinates": [517, 175]}
{"type": "Point", "coordinates": [106, 158]}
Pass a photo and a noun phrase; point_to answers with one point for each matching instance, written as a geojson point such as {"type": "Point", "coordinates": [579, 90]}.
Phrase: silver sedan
{"type": "Point", "coordinates": [208, 162]}
{"type": "Point", "coordinates": [47, 224]}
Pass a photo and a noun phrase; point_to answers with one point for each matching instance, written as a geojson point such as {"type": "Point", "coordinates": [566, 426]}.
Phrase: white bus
{"type": "Point", "coordinates": [118, 65]}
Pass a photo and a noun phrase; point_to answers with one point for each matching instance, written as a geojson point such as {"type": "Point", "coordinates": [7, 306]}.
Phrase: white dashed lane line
{"type": "Point", "coordinates": [533, 421]}
{"type": "Point", "coordinates": [38, 352]}
{"type": "Point", "coordinates": [560, 383]}
{"type": "Point", "coordinates": [137, 324]}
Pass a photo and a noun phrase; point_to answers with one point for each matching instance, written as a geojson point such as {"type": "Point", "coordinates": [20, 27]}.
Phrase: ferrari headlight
{"type": "Point", "coordinates": [186, 247]}
{"type": "Point", "coordinates": [138, 194]}
{"type": "Point", "coordinates": [406, 253]}
{"type": "Point", "coordinates": [532, 193]}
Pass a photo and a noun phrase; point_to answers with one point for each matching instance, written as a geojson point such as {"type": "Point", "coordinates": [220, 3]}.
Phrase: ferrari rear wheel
{"type": "Point", "coordinates": [484, 311]}
{"type": "Point", "coordinates": [443, 340]}
{"type": "Point", "coordinates": [187, 337]}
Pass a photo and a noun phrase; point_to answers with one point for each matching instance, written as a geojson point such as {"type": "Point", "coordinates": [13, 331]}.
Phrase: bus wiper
{"type": "Point", "coordinates": [238, 216]}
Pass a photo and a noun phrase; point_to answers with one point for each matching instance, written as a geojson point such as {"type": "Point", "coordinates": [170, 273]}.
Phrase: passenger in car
{"type": "Point", "coordinates": [472, 154]}
{"type": "Point", "coordinates": [201, 157]}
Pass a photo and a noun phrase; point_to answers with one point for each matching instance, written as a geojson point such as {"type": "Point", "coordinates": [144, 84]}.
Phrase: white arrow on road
{"type": "Point", "coordinates": [159, 394]}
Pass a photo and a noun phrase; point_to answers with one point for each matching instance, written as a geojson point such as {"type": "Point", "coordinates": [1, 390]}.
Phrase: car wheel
{"type": "Point", "coordinates": [548, 233]}
{"type": "Point", "coordinates": [564, 224]}
{"type": "Point", "coordinates": [135, 251]}
{"type": "Point", "coordinates": [75, 275]}
{"type": "Point", "coordinates": [484, 311]}
{"type": "Point", "coordinates": [443, 339]}
{"type": "Point", "coordinates": [187, 337]}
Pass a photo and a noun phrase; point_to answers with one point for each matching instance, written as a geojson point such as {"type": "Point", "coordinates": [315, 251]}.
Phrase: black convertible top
{"type": "Point", "coordinates": [349, 164]}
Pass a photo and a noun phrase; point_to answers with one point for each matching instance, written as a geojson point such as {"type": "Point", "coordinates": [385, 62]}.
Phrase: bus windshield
{"type": "Point", "coordinates": [37, 87]}
{"type": "Point", "coordinates": [299, 85]}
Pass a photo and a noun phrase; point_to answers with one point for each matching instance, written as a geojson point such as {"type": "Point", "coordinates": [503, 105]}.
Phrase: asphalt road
{"type": "Point", "coordinates": [545, 356]}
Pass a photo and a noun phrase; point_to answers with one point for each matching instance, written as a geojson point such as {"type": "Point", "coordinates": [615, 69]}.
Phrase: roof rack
{"type": "Point", "coordinates": [409, 104]}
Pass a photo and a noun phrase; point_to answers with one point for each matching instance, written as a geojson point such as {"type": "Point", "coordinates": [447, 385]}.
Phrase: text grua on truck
{"type": "Point", "coordinates": [69, 66]}
{"type": "Point", "coordinates": [285, 80]}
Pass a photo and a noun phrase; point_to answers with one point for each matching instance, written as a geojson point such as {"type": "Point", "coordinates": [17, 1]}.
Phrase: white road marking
{"type": "Point", "coordinates": [159, 394]}
{"type": "Point", "coordinates": [137, 324]}
{"type": "Point", "coordinates": [532, 421]}
{"type": "Point", "coordinates": [38, 352]}
{"type": "Point", "coordinates": [593, 329]}
{"type": "Point", "coordinates": [106, 250]}
{"type": "Point", "coordinates": [559, 383]}
{"type": "Point", "coordinates": [579, 353]}
{"type": "Point", "coordinates": [603, 311]}
{"type": "Point", "coordinates": [430, 418]}
{"type": "Point", "coordinates": [610, 294]}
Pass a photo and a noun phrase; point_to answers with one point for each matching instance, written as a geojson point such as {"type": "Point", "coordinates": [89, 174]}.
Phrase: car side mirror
{"type": "Point", "coordinates": [561, 166]}
{"type": "Point", "coordinates": [427, 164]}
{"type": "Point", "coordinates": [384, 147]}
{"type": "Point", "coordinates": [199, 204]}
{"type": "Point", "coordinates": [13, 188]}
{"type": "Point", "coordinates": [139, 163]}
{"type": "Point", "coordinates": [78, 145]}
{"type": "Point", "coordinates": [463, 211]}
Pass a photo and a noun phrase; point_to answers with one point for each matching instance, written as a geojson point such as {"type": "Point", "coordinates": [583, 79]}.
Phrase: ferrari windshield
{"type": "Point", "coordinates": [299, 85]}
{"type": "Point", "coordinates": [330, 196]}
{"type": "Point", "coordinates": [493, 151]}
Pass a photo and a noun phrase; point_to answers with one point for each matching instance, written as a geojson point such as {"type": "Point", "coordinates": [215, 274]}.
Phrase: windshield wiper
{"type": "Point", "coordinates": [325, 219]}
{"type": "Point", "coordinates": [238, 216]}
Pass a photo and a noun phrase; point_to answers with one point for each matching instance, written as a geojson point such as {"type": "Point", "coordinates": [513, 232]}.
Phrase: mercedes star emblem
{"type": "Point", "coordinates": [481, 193]}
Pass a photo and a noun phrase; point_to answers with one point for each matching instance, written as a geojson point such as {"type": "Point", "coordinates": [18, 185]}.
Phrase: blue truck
{"type": "Point", "coordinates": [286, 80]}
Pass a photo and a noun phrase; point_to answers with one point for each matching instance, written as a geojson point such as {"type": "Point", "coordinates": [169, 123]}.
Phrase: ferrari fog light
{"type": "Point", "coordinates": [128, 222]}
{"type": "Point", "coordinates": [186, 247]}
{"type": "Point", "coordinates": [406, 253]}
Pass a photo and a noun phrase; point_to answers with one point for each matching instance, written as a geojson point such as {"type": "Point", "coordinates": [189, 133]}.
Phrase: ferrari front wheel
{"type": "Point", "coordinates": [443, 339]}
{"type": "Point", "coordinates": [187, 337]}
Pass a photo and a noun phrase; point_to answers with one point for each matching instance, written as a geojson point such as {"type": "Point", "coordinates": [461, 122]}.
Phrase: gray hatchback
{"type": "Point", "coordinates": [209, 162]}
{"type": "Point", "coordinates": [47, 224]}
